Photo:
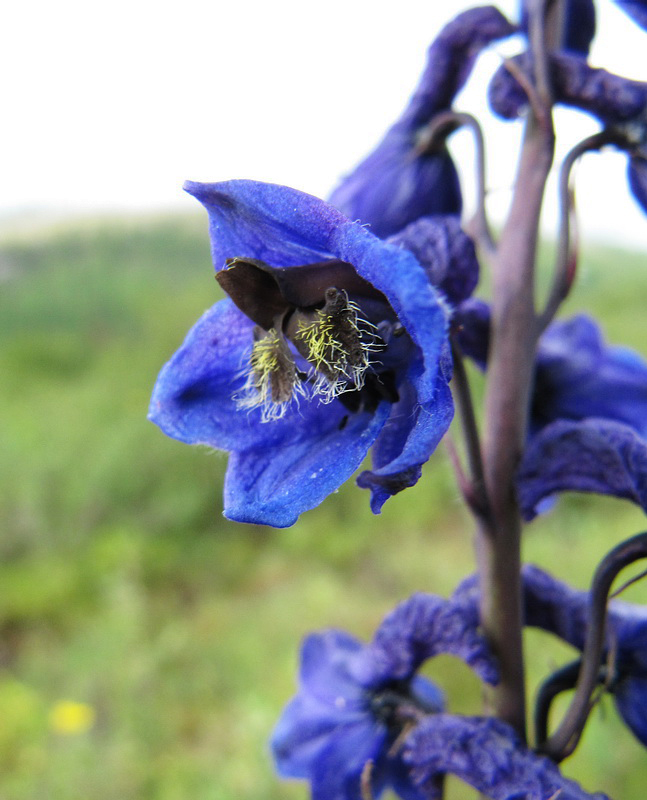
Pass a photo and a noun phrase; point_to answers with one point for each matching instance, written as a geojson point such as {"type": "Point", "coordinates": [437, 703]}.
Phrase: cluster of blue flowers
{"type": "Point", "coordinates": [335, 341]}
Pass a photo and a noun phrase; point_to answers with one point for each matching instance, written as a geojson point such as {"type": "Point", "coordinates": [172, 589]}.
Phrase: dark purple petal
{"type": "Point", "coordinates": [425, 626]}
{"type": "Point", "coordinates": [405, 443]}
{"type": "Point", "coordinates": [637, 176]}
{"type": "Point", "coordinates": [445, 252]}
{"type": "Point", "coordinates": [400, 181]}
{"type": "Point", "coordinates": [610, 98]}
{"type": "Point", "coordinates": [579, 376]}
{"type": "Point", "coordinates": [488, 755]}
{"type": "Point", "coordinates": [394, 186]}
{"type": "Point", "coordinates": [471, 322]}
{"type": "Point", "coordinates": [595, 455]}
{"type": "Point", "coordinates": [579, 25]}
{"type": "Point", "coordinates": [636, 9]}
{"type": "Point", "coordinates": [451, 58]}
{"type": "Point", "coordinates": [553, 606]}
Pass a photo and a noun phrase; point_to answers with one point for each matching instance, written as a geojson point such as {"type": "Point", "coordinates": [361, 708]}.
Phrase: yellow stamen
{"type": "Point", "coordinates": [272, 380]}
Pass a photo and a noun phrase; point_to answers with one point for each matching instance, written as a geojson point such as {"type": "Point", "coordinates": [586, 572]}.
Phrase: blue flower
{"type": "Point", "coordinates": [563, 611]}
{"type": "Point", "coordinates": [356, 701]}
{"type": "Point", "coordinates": [487, 754]}
{"type": "Point", "coordinates": [332, 342]}
{"type": "Point", "coordinates": [588, 418]}
{"type": "Point", "coordinates": [403, 178]}
{"type": "Point", "coordinates": [588, 414]}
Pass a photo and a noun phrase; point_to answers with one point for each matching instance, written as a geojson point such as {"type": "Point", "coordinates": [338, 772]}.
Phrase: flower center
{"type": "Point", "coordinates": [337, 342]}
{"type": "Point", "coordinates": [311, 339]}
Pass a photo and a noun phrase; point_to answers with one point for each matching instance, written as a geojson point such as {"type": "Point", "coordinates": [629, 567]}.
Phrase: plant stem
{"type": "Point", "coordinates": [510, 371]}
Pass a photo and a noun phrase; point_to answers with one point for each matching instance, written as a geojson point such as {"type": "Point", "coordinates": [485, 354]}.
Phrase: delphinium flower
{"type": "Point", "coordinates": [564, 611]}
{"type": "Point", "coordinates": [406, 177]}
{"type": "Point", "coordinates": [588, 413]}
{"type": "Point", "coordinates": [588, 416]}
{"type": "Point", "coordinates": [331, 342]}
{"type": "Point", "coordinates": [357, 703]}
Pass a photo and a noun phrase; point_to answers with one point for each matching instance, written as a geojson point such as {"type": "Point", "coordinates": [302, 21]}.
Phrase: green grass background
{"type": "Point", "coordinates": [122, 586]}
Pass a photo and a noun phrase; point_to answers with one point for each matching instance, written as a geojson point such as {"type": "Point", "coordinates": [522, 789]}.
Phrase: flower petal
{"type": "Point", "coordinates": [445, 251]}
{"type": "Point", "coordinates": [610, 98]}
{"type": "Point", "coordinates": [337, 771]}
{"type": "Point", "coordinates": [579, 376]}
{"type": "Point", "coordinates": [595, 455]}
{"type": "Point", "coordinates": [410, 435]}
{"type": "Point", "coordinates": [276, 224]}
{"type": "Point", "coordinates": [487, 754]}
{"type": "Point", "coordinates": [425, 626]}
{"type": "Point", "coordinates": [328, 668]}
{"type": "Point", "coordinates": [273, 487]}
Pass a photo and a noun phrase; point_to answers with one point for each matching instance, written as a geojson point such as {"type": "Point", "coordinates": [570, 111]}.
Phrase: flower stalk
{"type": "Point", "coordinates": [513, 343]}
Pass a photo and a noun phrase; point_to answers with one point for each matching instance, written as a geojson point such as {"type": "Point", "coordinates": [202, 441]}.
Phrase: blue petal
{"type": "Point", "coordinates": [471, 321]}
{"type": "Point", "coordinates": [425, 626]}
{"type": "Point", "coordinates": [328, 671]}
{"type": "Point", "coordinates": [281, 226]}
{"type": "Point", "coordinates": [302, 732]}
{"type": "Point", "coordinates": [595, 455]}
{"type": "Point", "coordinates": [487, 754]}
{"type": "Point", "coordinates": [193, 399]}
{"type": "Point", "coordinates": [446, 253]}
{"type": "Point", "coordinates": [337, 771]}
{"type": "Point", "coordinates": [451, 58]}
{"type": "Point", "coordinates": [578, 376]}
{"type": "Point", "coordinates": [273, 487]}
{"type": "Point", "coordinates": [410, 435]}
{"type": "Point", "coordinates": [555, 607]}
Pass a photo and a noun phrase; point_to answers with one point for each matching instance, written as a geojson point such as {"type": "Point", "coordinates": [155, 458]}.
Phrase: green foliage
{"type": "Point", "coordinates": [123, 588]}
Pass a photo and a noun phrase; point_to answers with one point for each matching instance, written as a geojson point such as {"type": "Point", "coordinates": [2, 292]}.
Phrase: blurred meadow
{"type": "Point", "coordinates": [147, 645]}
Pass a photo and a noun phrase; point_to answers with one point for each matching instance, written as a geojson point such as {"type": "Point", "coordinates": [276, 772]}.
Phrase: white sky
{"type": "Point", "coordinates": [109, 107]}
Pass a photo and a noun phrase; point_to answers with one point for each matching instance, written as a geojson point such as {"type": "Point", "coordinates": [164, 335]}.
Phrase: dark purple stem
{"type": "Point", "coordinates": [513, 342]}
{"type": "Point", "coordinates": [442, 126]}
{"type": "Point", "coordinates": [565, 739]}
{"type": "Point", "coordinates": [564, 266]}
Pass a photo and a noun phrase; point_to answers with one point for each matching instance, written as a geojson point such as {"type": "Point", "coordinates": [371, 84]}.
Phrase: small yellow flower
{"type": "Point", "coordinates": [68, 717]}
